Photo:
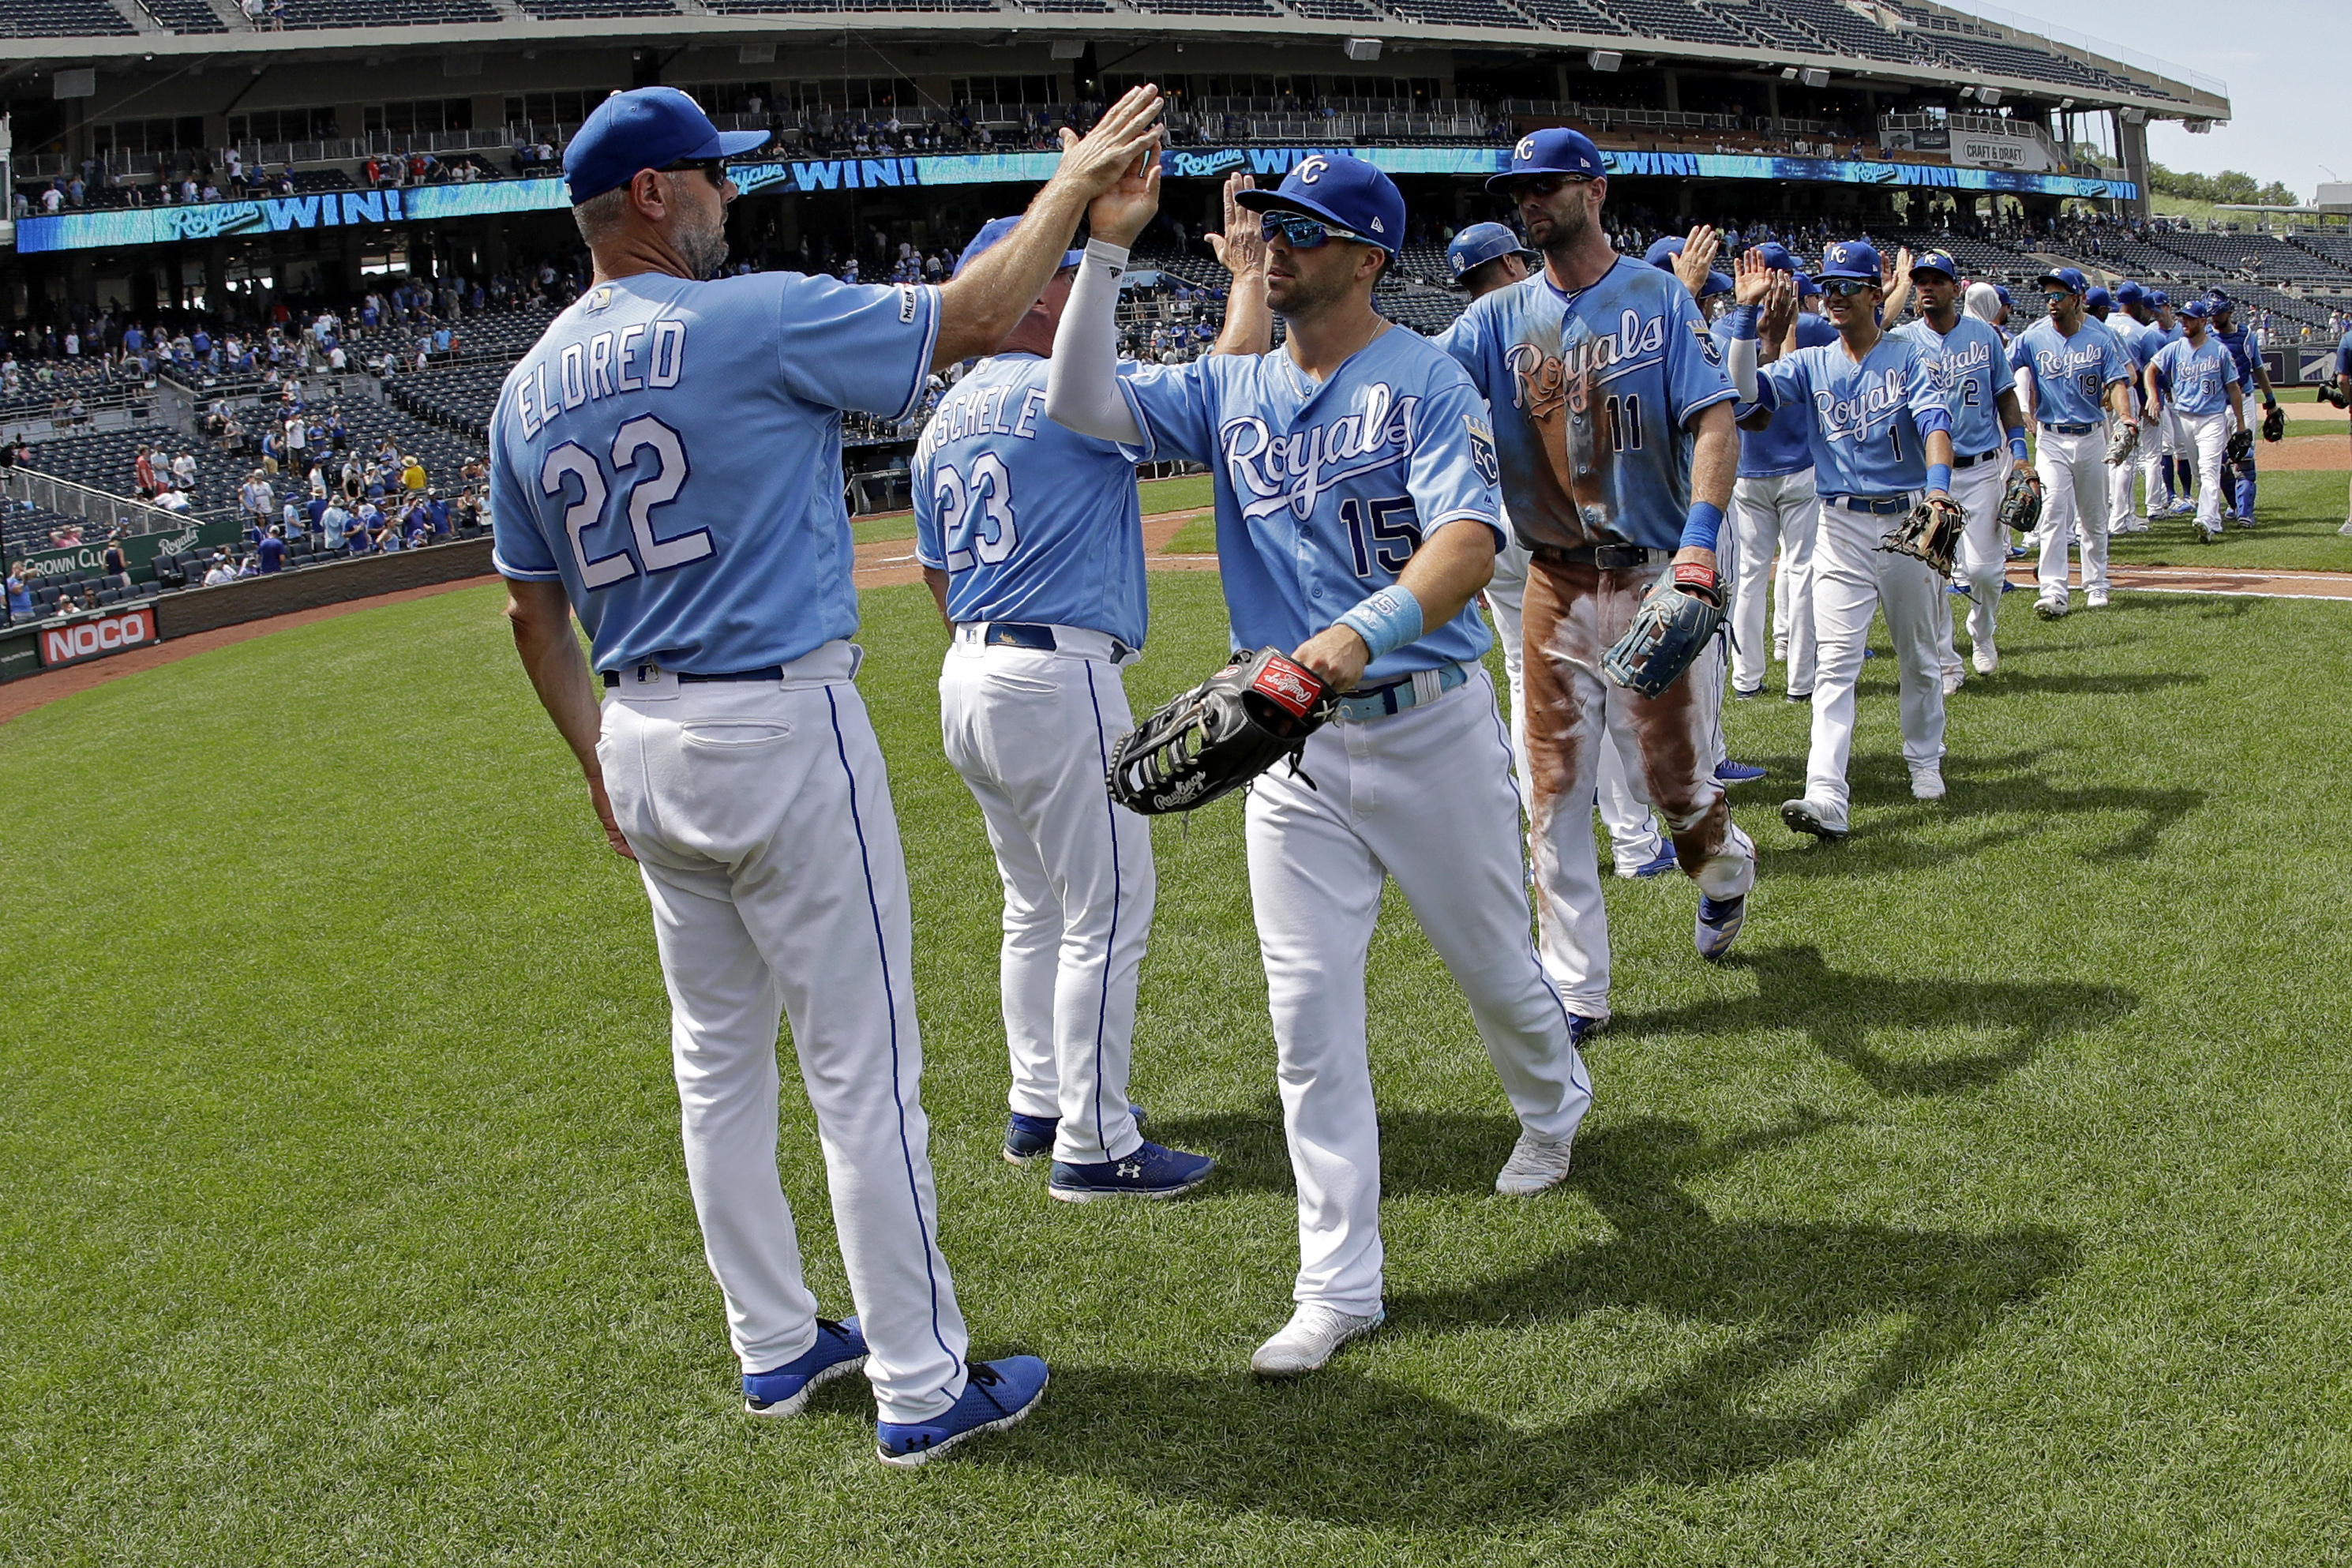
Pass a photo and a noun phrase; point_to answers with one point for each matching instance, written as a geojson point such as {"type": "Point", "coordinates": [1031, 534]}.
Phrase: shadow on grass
{"type": "Point", "coordinates": [1762, 1342]}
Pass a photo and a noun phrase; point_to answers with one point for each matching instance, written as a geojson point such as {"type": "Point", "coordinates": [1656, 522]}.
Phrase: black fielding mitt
{"type": "Point", "coordinates": [1929, 531]}
{"type": "Point", "coordinates": [2274, 423]}
{"type": "Point", "coordinates": [1676, 618]}
{"type": "Point", "coordinates": [2239, 448]}
{"type": "Point", "coordinates": [1220, 735]}
{"type": "Point", "coordinates": [2021, 503]}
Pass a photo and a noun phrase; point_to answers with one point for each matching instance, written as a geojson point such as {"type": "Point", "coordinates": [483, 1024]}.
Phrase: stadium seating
{"type": "Point", "coordinates": [61, 18]}
{"type": "Point", "coordinates": [104, 461]}
{"type": "Point", "coordinates": [1573, 16]}
{"type": "Point", "coordinates": [571, 10]}
{"type": "Point", "coordinates": [309, 13]}
{"type": "Point", "coordinates": [1208, 7]}
{"type": "Point", "coordinates": [1838, 29]}
{"type": "Point", "coordinates": [2254, 256]}
{"type": "Point", "coordinates": [1678, 19]}
{"type": "Point", "coordinates": [1336, 10]}
{"type": "Point", "coordinates": [184, 16]}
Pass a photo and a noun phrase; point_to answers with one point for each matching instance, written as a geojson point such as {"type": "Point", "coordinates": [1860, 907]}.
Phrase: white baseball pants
{"type": "Point", "coordinates": [1774, 516]}
{"type": "Point", "coordinates": [1423, 796]}
{"type": "Point", "coordinates": [2120, 500]}
{"type": "Point", "coordinates": [2074, 473]}
{"type": "Point", "coordinates": [1030, 732]}
{"type": "Point", "coordinates": [762, 819]}
{"type": "Point", "coordinates": [1853, 579]}
{"type": "Point", "coordinates": [1982, 561]}
{"type": "Point", "coordinates": [2207, 434]}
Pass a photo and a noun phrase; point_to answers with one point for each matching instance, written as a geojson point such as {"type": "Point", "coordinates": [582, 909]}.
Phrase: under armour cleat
{"type": "Point", "coordinates": [839, 1351]}
{"type": "Point", "coordinates": [1731, 773]}
{"type": "Point", "coordinates": [1028, 1138]}
{"type": "Point", "coordinates": [1719, 920]}
{"type": "Point", "coordinates": [1804, 816]}
{"type": "Point", "coordinates": [1537, 1164]}
{"type": "Point", "coordinates": [1659, 866]}
{"type": "Point", "coordinates": [1151, 1171]}
{"type": "Point", "coordinates": [997, 1394]}
{"type": "Point", "coordinates": [1311, 1338]}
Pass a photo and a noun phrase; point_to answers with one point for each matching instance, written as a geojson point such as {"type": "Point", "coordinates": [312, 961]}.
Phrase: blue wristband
{"type": "Point", "coordinates": [1939, 477]}
{"type": "Point", "coordinates": [2017, 449]}
{"type": "Point", "coordinates": [1740, 321]}
{"type": "Point", "coordinates": [1702, 526]}
{"type": "Point", "coordinates": [1386, 620]}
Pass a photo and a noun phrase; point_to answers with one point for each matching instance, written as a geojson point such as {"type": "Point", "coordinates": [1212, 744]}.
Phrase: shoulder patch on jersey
{"type": "Point", "coordinates": [1482, 450]}
{"type": "Point", "coordinates": [907, 303]}
{"type": "Point", "coordinates": [1707, 345]}
{"type": "Point", "coordinates": [599, 299]}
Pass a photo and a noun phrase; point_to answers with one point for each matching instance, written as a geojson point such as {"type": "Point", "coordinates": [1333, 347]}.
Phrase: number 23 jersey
{"type": "Point", "coordinates": [671, 451]}
{"type": "Point", "coordinates": [1591, 394]}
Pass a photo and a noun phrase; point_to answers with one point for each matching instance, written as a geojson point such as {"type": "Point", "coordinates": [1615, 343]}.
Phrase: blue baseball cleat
{"type": "Point", "coordinates": [1151, 1171]}
{"type": "Point", "coordinates": [1582, 1029]}
{"type": "Point", "coordinates": [999, 1395]}
{"type": "Point", "coordinates": [840, 1350]}
{"type": "Point", "coordinates": [1659, 867]}
{"type": "Point", "coordinates": [1728, 772]}
{"type": "Point", "coordinates": [1719, 923]}
{"type": "Point", "coordinates": [1028, 1138]}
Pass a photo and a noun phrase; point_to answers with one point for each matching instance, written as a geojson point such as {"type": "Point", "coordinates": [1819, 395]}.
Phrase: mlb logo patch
{"type": "Point", "coordinates": [907, 305]}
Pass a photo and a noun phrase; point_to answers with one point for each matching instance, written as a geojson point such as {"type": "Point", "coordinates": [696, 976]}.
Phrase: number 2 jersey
{"type": "Point", "coordinates": [671, 451]}
{"type": "Point", "coordinates": [1031, 522]}
{"type": "Point", "coordinates": [1591, 394]}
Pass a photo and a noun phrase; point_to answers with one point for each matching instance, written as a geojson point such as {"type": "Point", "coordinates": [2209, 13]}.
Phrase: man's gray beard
{"type": "Point", "coordinates": [705, 252]}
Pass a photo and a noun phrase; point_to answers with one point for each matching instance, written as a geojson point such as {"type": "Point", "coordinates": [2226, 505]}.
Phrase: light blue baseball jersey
{"type": "Point", "coordinates": [2242, 352]}
{"type": "Point", "coordinates": [2070, 375]}
{"type": "Point", "coordinates": [1031, 522]}
{"type": "Point", "coordinates": [671, 451]}
{"type": "Point", "coordinates": [1593, 392]}
{"type": "Point", "coordinates": [2198, 377]}
{"type": "Point", "coordinates": [2344, 355]}
{"type": "Point", "coordinates": [1869, 421]}
{"type": "Point", "coordinates": [1325, 489]}
{"type": "Point", "coordinates": [1970, 365]}
{"type": "Point", "coordinates": [1785, 446]}
{"type": "Point", "coordinates": [2139, 342]}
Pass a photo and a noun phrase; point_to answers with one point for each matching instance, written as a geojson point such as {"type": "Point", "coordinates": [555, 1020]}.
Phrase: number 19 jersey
{"type": "Point", "coordinates": [670, 450]}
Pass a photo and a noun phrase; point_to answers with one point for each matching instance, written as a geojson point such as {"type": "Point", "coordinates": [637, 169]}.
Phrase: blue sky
{"type": "Point", "coordinates": [2288, 64]}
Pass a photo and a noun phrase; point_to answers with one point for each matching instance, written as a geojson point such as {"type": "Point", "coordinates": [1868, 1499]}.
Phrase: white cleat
{"type": "Point", "coordinates": [1537, 1164]}
{"type": "Point", "coordinates": [2095, 599]}
{"type": "Point", "coordinates": [1985, 657]}
{"type": "Point", "coordinates": [1953, 678]}
{"type": "Point", "coordinates": [1927, 783]}
{"type": "Point", "coordinates": [2346, 529]}
{"type": "Point", "coordinates": [1312, 1337]}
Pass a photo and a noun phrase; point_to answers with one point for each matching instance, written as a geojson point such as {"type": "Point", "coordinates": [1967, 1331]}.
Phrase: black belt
{"type": "Point", "coordinates": [1959, 463]}
{"type": "Point", "coordinates": [1877, 505]}
{"type": "Point", "coordinates": [2069, 429]}
{"type": "Point", "coordinates": [772, 672]}
{"type": "Point", "coordinates": [1608, 557]}
{"type": "Point", "coordinates": [1029, 635]}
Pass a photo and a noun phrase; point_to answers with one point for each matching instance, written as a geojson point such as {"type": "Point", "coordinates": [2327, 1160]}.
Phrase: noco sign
{"type": "Point", "coordinates": [79, 640]}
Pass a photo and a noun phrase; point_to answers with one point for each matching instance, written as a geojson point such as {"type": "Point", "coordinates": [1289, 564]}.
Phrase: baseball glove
{"type": "Point", "coordinates": [2274, 424]}
{"type": "Point", "coordinates": [2123, 440]}
{"type": "Point", "coordinates": [2021, 503]}
{"type": "Point", "coordinates": [2241, 446]}
{"type": "Point", "coordinates": [1676, 618]}
{"type": "Point", "coordinates": [1220, 735]}
{"type": "Point", "coordinates": [2333, 396]}
{"type": "Point", "coordinates": [1930, 531]}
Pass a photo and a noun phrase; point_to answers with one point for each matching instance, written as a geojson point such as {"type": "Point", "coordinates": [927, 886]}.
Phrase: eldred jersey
{"type": "Point", "coordinates": [2070, 375]}
{"type": "Point", "coordinates": [1591, 393]}
{"type": "Point", "coordinates": [1970, 365]}
{"type": "Point", "coordinates": [1868, 420]}
{"type": "Point", "coordinates": [1031, 522]}
{"type": "Point", "coordinates": [2198, 377]}
{"type": "Point", "coordinates": [671, 450]}
{"type": "Point", "coordinates": [1785, 446]}
{"type": "Point", "coordinates": [2240, 345]}
{"type": "Point", "coordinates": [1325, 489]}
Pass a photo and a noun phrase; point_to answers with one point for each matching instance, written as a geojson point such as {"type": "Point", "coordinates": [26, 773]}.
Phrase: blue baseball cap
{"type": "Point", "coordinates": [992, 231]}
{"type": "Point", "coordinates": [2129, 292]}
{"type": "Point", "coordinates": [2001, 289]}
{"type": "Point", "coordinates": [1479, 244]}
{"type": "Point", "coordinates": [1345, 191]}
{"type": "Point", "coordinates": [1776, 257]}
{"type": "Point", "coordinates": [2196, 308]}
{"type": "Point", "coordinates": [650, 128]}
{"type": "Point", "coordinates": [1662, 252]}
{"type": "Point", "coordinates": [1716, 283]}
{"type": "Point", "coordinates": [2158, 300]}
{"type": "Point", "coordinates": [1851, 259]}
{"type": "Point", "coordinates": [1936, 261]}
{"type": "Point", "coordinates": [2070, 279]}
{"type": "Point", "coordinates": [2098, 301]}
{"type": "Point", "coordinates": [1559, 150]}
{"type": "Point", "coordinates": [1806, 288]}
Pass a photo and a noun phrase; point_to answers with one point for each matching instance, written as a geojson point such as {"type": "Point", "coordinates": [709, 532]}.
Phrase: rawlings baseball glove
{"type": "Point", "coordinates": [1930, 531]}
{"type": "Point", "coordinates": [2241, 446]}
{"type": "Point", "coordinates": [2274, 424]}
{"type": "Point", "coordinates": [2123, 440]}
{"type": "Point", "coordinates": [2021, 503]}
{"type": "Point", "coordinates": [1682, 611]}
{"type": "Point", "coordinates": [2333, 396]}
{"type": "Point", "coordinates": [1218, 736]}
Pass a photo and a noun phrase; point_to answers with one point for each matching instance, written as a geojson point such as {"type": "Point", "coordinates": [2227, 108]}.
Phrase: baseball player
{"type": "Point", "coordinates": [1356, 517]}
{"type": "Point", "coordinates": [2076, 375]}
{"type": "Point", "coordinates": [1881, 436]}
{"type": "Point", "coordinates": [667, 465]}
{"type": "Point", "coordinates": [2220, 325]}
{"type": "Point", "coordinates": [2199, 379]}
{"type": "Point", "coordinates": [1774, 512]}
{"type": "Point", "coordinates": [1032, 540]}
{"type": "Point", "coordinates": [2130, 301]}
{"type": "Point", "coordinates": [2176, 463]}
{"type": "Point", "coordinates": [1970, 365]}
{"type": "Point", "coordinates": [2343, 385]}
{"type": "Point", "coordinates": [1490, 258]}
{"type": "Point", "coordinates": [1614, 422]}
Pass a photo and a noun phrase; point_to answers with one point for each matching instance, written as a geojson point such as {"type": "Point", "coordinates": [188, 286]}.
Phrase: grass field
{"type": "Point", "coordinates": [1991, 1207]}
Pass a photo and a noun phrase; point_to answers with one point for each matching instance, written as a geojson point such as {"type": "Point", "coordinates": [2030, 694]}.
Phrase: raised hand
{"type": "Point", "coordinates": [1242, 247]}
{"type": "Point", "coordinates": [1120, 212]}
{"type": "Point", "coordinates": [1751, 281]}
{"type": "Point", "coordinates": [1779, 311]}
{"type": "Point", "coordinates": [1095, 162]}
{"type": "Point", "coordinates": [1698, 258]}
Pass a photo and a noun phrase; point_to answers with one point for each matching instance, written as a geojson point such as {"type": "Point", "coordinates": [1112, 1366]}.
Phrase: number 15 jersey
{"type": "Point", "coordinates": [671, 451]}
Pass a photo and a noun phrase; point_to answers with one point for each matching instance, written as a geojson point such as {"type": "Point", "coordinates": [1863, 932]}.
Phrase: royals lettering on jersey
{"type": "Point", "coordinates": [1593, 395]}
{"type": "Point", "coordinates": [1785, 446]}
{"type": "Point", "coordinates": [1970, 365]}
{"type": "Point", "coordinates": [1031, 522]}
{"type": "Point", "coordinates": [1870, 420]}
{"type": "Point", "coordinates": [2197, 376]}
{"type": "Point", "coordinates": [670, 451]}
{"type": "Point", "coordinates": [2070, 375]}
{"type": "Point", "coordinates": [1325, 489]}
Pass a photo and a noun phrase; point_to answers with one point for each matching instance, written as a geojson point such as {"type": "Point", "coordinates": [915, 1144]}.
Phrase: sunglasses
{"type": "Point", "coordinates": [714, 169]}
{"type": "Point", "coordinates": [1303, 233]}
{"type": "Point", "coordinates": [1845, 287]}
{"type": "Point", "coordinates": [1544, 184]}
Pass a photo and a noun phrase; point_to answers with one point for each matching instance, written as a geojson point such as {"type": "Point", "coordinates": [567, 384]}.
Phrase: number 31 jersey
{"type": "Point", "coordinates": [1591, 394]}
{"type": "Point", "coordinates": [671, 451]}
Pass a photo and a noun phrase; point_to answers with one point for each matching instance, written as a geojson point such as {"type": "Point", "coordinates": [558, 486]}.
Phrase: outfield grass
{"type": "Point", "coordinates": [2295, 518]}
{"type": "Point", "coordinates": [1990, 1207]}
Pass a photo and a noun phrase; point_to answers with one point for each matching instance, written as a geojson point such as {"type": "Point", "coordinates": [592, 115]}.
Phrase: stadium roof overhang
{"type": "Point", "coordinates": [2163, 98]}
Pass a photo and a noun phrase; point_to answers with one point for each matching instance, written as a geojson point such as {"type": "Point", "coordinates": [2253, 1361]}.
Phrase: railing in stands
{"type": "Point", "coordinates": [67, 499]}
